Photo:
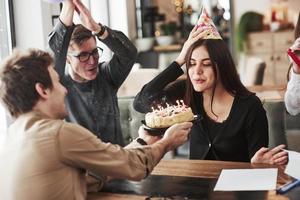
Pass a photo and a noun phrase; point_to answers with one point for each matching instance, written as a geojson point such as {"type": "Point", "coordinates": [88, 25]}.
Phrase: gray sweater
{"type": "Point", "coordinates": [94, 104]}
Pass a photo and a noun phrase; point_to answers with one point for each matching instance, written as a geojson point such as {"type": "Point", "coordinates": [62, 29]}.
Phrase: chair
{"type": "Point", "coordinates": [251, 70]}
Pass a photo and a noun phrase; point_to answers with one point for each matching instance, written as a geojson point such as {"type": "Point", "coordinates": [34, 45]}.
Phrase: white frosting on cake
{"type": "Point", "coordinates": [165, 117]}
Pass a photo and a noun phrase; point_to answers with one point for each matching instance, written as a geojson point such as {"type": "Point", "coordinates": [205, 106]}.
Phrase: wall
{"type": "Point", "coordinates": [33, 25]}
{"type": "Point", "coordinates": [118, 14]}
{"type": "Point", "coordinates": [240, 7]}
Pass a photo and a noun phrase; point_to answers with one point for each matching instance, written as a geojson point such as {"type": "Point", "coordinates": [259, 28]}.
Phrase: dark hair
{"type": "Point", "coordinates": [80, 35]}
{"type": "Point", "coordinates": [296, 35]}
{"type": "Point", "coordinates": [19, 73]}
{"type": "Point", "coordinates": [223, 67]}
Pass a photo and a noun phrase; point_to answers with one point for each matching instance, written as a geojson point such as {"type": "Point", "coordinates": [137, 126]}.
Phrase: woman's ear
{"type": "Point", "coordinates": [41, 90]}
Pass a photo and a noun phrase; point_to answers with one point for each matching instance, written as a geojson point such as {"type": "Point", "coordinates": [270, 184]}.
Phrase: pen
{"type": "Point", "coordinates": [285, 188]}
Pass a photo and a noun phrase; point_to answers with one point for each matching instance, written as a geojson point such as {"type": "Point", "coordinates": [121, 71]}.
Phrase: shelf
{"type": "Point", "coordinates": [168, 48]}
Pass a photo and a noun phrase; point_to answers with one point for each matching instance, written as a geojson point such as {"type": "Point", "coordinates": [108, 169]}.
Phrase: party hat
{"type": "Point", "coordinates": [206, 23]}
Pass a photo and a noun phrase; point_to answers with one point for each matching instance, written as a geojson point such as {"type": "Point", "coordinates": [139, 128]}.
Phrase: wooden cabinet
{"type": "Point", "coordinates": [271, 47]}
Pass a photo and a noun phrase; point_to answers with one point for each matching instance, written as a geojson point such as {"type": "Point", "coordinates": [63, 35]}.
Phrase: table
{"type": "Point", "coordinates": [189, 179]}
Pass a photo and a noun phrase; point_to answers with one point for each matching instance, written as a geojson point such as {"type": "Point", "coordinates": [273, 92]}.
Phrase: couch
{"type": "Point", "coordinates": [130, 119]}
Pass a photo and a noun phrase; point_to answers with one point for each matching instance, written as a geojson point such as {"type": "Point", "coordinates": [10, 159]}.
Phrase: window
{"type": "Point", "coordinates": [7, 41]}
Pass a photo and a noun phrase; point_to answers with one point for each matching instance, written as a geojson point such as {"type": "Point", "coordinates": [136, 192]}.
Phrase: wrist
{"type": "Point", "coordinates": [164, 145]}
{"type": "Point", "coordinates": [99, 31]}
{"type": "Point", "coordinates": [141, 141]}
{"type": "Point", "coordinates": [179, 61]}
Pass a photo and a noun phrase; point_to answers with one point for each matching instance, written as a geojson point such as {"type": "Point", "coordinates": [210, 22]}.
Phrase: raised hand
{"type": "Point", "coordinates": [275, 156]}
{"type": "Point", "coordinates": [85, 16]}
{"type": "Point", "coordinates": [195, 35]}
{"type": "Point", "coordinates": [67, 12]}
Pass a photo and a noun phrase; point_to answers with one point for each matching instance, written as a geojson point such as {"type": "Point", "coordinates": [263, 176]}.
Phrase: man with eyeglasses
{"type": "Point", "coordinates": [92, 86]}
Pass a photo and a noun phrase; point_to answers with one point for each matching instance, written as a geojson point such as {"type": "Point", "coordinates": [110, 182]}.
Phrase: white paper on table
{"type": "Point", "coordinates": [292, 167]}
{"type": "Point", "coordinates": [247, 179]}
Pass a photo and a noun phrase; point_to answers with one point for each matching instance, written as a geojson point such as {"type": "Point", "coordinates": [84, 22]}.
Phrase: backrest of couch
{"type": "Point", "coordinates": [275, 114]}
{"type": "Point", "coordinates": [130, 118]}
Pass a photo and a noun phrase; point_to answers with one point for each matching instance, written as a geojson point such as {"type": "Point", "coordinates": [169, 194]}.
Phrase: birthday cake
{"type": "Point", "coordinates": [165, 117]}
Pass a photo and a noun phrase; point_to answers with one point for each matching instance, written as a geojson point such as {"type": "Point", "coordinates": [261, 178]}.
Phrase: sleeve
{"type": "Point", "coordinates": [58, 41]}
{"type": "Point", "coordinates": [163, 88]}
{"type": "Point", "coordinates": [292, 95]}
{"type": "Point", "coordinates": [257, 128]}
{"type": "Point", "coordinates": [86, 151]}
{"type": "Point", "coordinates": [125, 54]}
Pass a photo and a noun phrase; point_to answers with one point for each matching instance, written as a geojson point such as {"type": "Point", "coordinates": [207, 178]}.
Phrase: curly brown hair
{"type": "Point", "coordinates": [18, 76]}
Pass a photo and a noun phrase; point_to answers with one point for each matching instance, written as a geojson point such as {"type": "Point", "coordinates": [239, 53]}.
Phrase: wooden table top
{"type": "Point", "coordinates": [198, 169]}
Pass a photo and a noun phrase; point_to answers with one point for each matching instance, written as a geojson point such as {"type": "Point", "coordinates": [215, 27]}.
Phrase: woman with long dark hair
{"type": "Point", "coordinates": [232, 124]}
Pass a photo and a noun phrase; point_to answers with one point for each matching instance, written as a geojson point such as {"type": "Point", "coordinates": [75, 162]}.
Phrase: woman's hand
{"type": "Point", "coordinates": [275, 156]}
{"type": "Point", "coordinates": [195, 35]}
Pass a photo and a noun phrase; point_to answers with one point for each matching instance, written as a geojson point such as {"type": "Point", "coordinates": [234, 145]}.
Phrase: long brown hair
{"type": "Point", "coordinates": [19, 73]}
{"type": "Point", "coordinates": [296, 35]}
{"type": "Point", "coordinates": [223, 67]}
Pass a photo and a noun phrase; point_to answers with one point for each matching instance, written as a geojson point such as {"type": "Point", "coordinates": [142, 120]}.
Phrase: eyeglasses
{"type": "Point", "coordinates": [85, 56]}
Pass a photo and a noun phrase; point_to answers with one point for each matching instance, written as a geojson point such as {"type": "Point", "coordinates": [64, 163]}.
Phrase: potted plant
{"type": "Point", "coordinates": [167, 36]}
{"type": "Point", "coordinates": [249, 22]}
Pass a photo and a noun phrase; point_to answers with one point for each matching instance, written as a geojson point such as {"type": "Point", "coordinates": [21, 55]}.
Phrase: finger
{"type": "Point", "coordinates": [281, 161]}
{"type": "Point", "coordinates": [195, 28]}
{"type": "Point", "coordinates": [280, 154]}
{"type": "Point", "coordinates": [192, 31]}
{"type": "Point", "coordinates": [262, 150]}
{"type": "Point", "coordinates": [277, 149]}
{"type": "Point", "coordinates": [79, 5]}
{"type": "Point", "coordinates": [77, 10]}
{"type": "Point", "coordinates": [201, 35]}
{"type": "Point", "coordinates": [185, 125]}
{"type": "Point", "coordinates": [198, 31]}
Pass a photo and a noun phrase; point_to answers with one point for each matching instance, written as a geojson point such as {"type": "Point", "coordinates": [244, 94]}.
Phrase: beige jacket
{"type": "Point", "coordinates": [47, 159]}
